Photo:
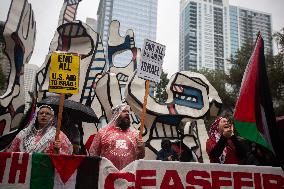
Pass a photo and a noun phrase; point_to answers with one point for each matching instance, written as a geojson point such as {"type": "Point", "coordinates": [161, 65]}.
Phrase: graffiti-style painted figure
{"type": "Point", "coordinates": [19, 35]}
{"type": "Point", "coordinates": [103, 83]}
{"type": "Point", "coordinates": [190, 97]}
{"type": "Point", "coordinates": [110, 88]}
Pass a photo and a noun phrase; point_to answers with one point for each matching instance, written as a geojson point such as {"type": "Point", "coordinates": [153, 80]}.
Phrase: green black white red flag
{"type": "Point", "coordinates": [254, 116]}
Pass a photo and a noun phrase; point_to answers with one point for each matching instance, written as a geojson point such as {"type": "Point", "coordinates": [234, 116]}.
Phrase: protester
{"type": "Point", "coordinates": [167, 153]}
{"type": "Point", "coordinates": [184, 153]}
{"type": "Point", "coordinates": [39, 136]}
{"type": "Point", "coordinates": [117, 142]}
{"type": "Point", "coordinates": [71, 128]}
{"type": "Point", "coordinates": [223, 146]}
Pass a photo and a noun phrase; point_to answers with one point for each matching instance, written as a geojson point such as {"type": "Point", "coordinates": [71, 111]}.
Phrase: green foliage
{"type": "Point", "coordinates": [218, 80]}
{"type": "Point", "coordinates": [228, 85]}
{"type": "Point", "coordinates": [279, 38]}
{"type": "Point", "coordinates": [239, 63]}
{"type": "Point", "coordinates": [160, 89]}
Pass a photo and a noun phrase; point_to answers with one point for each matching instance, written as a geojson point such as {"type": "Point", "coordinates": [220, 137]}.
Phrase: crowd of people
{"type": "Point", "coordinates": [122, 145]}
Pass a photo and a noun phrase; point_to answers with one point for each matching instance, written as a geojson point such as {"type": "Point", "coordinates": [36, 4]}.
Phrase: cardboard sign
{"type": "Point", "coordinates": [64, 73]}
{"type": "Point", "coordinates": [150, 67]}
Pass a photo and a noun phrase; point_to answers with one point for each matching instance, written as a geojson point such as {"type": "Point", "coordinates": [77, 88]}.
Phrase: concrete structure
{"type": "Point", "coordinates": [29, 82]}
{"type": "Point", "coordinates": [141, 16]}
{"type": "Point", "coordinates": [245, 25]}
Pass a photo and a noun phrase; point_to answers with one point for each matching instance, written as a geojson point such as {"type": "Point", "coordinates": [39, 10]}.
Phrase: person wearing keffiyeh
{"type": "Point", "coordinates": [39, 135]}
{"type": "Point", "coordinates": [222, 145]}
{"type": "Point", "coordinates": [117, 142]}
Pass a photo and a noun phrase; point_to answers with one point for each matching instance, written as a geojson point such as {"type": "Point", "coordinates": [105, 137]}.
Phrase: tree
{"type": "Point", "coordinates": [218, 78]}
{"type": "Point", "coordinates": [160, 89]}
{"type": "Point", "coordinates": [275, 72]}
{"type": "Point", "coordinates": [279, 38]}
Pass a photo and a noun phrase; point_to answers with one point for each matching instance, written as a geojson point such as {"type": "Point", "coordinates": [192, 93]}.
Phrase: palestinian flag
{"type": "Point", "coordinates": [34, 171]}
{"type": "Point", "coordinates": [254, 116]}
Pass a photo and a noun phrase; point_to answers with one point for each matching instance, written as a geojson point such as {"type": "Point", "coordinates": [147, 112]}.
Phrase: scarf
{"type": "Point", "coordinates": [30, 134]}
{"type": "Point", "coordinates": [214, 134]}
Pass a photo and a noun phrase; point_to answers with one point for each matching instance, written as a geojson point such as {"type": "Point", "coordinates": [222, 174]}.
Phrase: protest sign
{"type": "Point", "coordinates": [64, 73]}
{"type": "Point", "coordinates": [150, 67]}
{"type": "Point", "coordinates": [63, 79]}
{"type": "Point", "coordinates": [23, 170]}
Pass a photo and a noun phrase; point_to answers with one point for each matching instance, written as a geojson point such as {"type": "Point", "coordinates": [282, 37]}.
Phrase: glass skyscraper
{"type": "Point", "coordinates": [245, 25]}
{"type": "Point", "coordinates": [204, 34]}
{"type": "Point", "coordinates": [212, 30]}
{"type": "Point", "coordinates": [141, 16]}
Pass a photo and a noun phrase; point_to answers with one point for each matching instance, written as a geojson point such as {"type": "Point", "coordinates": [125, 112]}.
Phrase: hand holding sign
{"type": "Point", "coordinates": [150, 69]}
{"type": "Point", "coordinates": [64, 73]}
{"type": "Point", "coordinates": [63, 78]}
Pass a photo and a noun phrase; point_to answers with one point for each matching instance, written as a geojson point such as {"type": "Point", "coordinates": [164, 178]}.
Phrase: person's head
{"type": "Point", "coordinates": [219, 125]}
{"type": "Point", "coordinates": [44, 116]}
{"type": "Point", "coordinates": [121, 116]}
{"type": "Point", "coordinates": [166, 144]}
{"type": "Point", "coordinates": [225, 123]}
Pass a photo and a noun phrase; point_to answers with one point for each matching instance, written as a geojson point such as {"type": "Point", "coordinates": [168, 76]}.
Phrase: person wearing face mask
{"type": "Point", "coordinates": [117, 142]}
{"type": "Point", "coordinates": [39, 135]}
{"type": "Point", "coordinates": [223, 146]}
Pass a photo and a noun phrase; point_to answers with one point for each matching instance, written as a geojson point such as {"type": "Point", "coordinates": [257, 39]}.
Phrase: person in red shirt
{"type": "Point", "coordinates": [222, 145]}
{"type": "Point", "coordinates": [117, 142]}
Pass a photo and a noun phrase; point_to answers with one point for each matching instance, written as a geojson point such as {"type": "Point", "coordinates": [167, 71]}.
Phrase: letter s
{"type": "Point", "coordinates": [190, 179]}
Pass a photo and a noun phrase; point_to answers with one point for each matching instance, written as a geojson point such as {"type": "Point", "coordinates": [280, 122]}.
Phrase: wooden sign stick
{"type": "Point", "coordinates": [61, 105]}
{"type": "Point", "coordinates": [144, 108]}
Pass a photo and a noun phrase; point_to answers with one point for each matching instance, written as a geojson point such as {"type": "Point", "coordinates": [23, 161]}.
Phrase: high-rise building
{"type": "Point", "coordinates": [245, 25]}
{"type": "Point", "coordinates": [212, 30]}
{"type": "Point", "coordinates": [141, 16]}
{"type": "Point", "coordinates": [29, 82]}
{"type": "Point", "coordinates": [204, 34]}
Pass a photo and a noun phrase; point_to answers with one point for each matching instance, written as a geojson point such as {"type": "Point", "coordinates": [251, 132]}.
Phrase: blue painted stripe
{"type": "Point", "coordinates": [97, 68]}
{"type": "Point", "coordinates": [100, 51]}
{"type": "Point", "coordinates": [99, 59]}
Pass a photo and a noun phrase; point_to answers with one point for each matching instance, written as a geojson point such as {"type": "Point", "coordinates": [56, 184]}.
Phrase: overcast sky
{"type": "Point", "coordinates": [47, 11]}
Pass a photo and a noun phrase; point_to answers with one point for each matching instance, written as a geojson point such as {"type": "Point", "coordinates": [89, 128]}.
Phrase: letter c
{"type": "Point", "coordinates": [109, 182]}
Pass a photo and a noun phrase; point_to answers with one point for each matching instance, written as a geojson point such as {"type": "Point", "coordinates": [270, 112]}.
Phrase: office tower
{"type": "Point", "coordinates": [141, 16]}
{"type": "Point", "coordinates": [29, 82]}
{"type": "Point", "coordinates": [245, 25]}
{"type": "Point", "coordinates": [204, 34]}
{"type": "Point", "coordinates": [212, 30]}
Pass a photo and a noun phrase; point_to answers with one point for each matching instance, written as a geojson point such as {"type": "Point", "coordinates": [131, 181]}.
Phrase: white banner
{"type": "Point", "coordinates": [175, 175]}
{"type": "Point", "coordinates": [150, 67]}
